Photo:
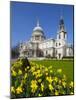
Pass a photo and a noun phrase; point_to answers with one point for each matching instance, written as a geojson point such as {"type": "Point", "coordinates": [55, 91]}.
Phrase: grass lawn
{"type": "Point", "coordinates": [66, 65]}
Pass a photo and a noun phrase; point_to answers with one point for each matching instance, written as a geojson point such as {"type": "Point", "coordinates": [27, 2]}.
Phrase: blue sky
{"type": "Point", "coordinates": [24, 18]}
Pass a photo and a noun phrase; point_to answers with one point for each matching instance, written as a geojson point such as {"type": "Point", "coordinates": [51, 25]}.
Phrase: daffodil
{"type": "Point", "coordinates": [34, 86]}
{"type": "Point", "coordinates": [19, 72]}
{"type": "Point", "coordinates": [55, 79]}
{"type": "Point", "coordinates": [71, 84]}
{"type": "Point", "coordinates": [28, 67]}
{"type": "Point", "coordinates": [19, 90]}
{"type": "Point", "coordinates": [38, 71]}
{"type": "Point", "coordinates": [17, 64]}
{"type": "Point", "coordinates": [42, 87]}
{"type": "Point", "coordinates": [46, 74]}
{"type": "Point", "coordinates": [51, 71]}
{"type": "Point", "coordinates": [32, 68]}
{"type": "Point", "coordinates": [34, 73]}
{"type": "Point", "coordinates": [56, 92]}
{"type": "Point", "coordinates": [64, 84]}
{"type": "Point", "coordinates": [13, 89]}
{"type": "Point", "coordinates": [49, 79]}
{"type": "Point", "coordinates": [25, 76]}
{"type": "Point", "coordinates": [39, 95]}
{"type": "Point", "coordinates": [38, 75]}
{"type": "Point", "coordinates": [60, 81]}
{"type": "Point", "coordinates": [14, 73]}
{"type": "Point", "coordinates": [71, 92]}
{"type": "Point", "coordinates": [59, 70]}
{"type": "Point", "coordinates": [46, 69]}
{"type": "Point", "coordinates": [50, 87]}
{"type": "Point", "coordinates": [39, 80]}
{"type": "Point", "coordinates": [25, 69]}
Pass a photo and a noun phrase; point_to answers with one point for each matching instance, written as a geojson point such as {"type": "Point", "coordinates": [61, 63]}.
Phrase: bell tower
{"type": "Point", "coordinates": [61, 40]}
{"type": "Point", "coordinates": [61, 30]}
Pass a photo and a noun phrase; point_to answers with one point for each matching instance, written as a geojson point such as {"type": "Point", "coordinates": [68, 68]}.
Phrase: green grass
{"type": "Point", "coordinates": [66, 65]}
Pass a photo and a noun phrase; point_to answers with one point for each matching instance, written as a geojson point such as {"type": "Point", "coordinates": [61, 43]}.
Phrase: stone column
{"type": "Point", "coordinates": [34, 53]}
{"type": "Point", "coordinates": [35, 50]}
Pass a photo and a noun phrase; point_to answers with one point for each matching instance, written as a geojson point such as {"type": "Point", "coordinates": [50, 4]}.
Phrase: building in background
{"type": "Point", "coordinates": [39, 46]}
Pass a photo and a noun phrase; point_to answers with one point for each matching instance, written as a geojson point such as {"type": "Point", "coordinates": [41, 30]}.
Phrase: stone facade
{"type": "Point", "coordinates": [39, 46]}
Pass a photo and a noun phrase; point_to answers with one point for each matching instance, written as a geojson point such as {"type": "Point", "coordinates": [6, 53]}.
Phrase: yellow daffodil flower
{"type": "Point", "coordinates": [12, 89]}
{"type": "Point", "coordinates": [71, 84]}
{"type": "Point", "coordinates": [38, 71]}
{"type": "Point", "coordinates": [32, 68]}
{"type": "Point", "coordinates": [50, 87]}
{"type": "Point", "coordinates": [46, 69]}
{"type": "Point", "coordinates": [46, 74]}
{"type": "Point", "coordinates": [14, 73]}
{"type": "Point", "coordinates": [51, 71]}
{"type": "Point", "coordinates": [25, 69]}
{"type": "Point", "coordinates": [56, 92]}
{"type": "Point", "coordinates": [64, 84]}
{"type": "Point", "coordinates": [59, 70]}
{"type": "Point", "coordinates": [19, 72]}
{"type": "Point", "coordinates": [39, 80]}
{"type": "Point", "coordinates": [49, 79]}
{"type": "Point", "coordinates": [39, 95]}
{"type": "Point", "coordinates": [34, 86]}
{"type": "Point", "coordinates": [28, 67]}
{"type": "Point", "coordinates": [55, 79]}
{"type": "Point", "coordinates": [71, 92]}
{"type": "Point", "coordinates": [42, 87]}
{"type": "Point", "coordinates": [25, 76]}
{"type": "Point", "coordinates": [38, 75]}
{"type": "Point", "coordinates": [19, 90]}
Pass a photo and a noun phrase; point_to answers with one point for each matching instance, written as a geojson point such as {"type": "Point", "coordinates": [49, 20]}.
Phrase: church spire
{"type": "Point", "coordinates": [38, 23]}
{"type": "Point", "coordinates": [61, 30]}
{"type": "Point", "coordinates": [61, 17]}
{"type": "Point", "coordinates": [61, 24]}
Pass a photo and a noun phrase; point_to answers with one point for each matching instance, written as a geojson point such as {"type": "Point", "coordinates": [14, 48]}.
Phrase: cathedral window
{"type": "Point", "coordinates": [59, 43]}
{"type": "Point", "coordinates": [37, 38]}
{"type": "Point", "coordinates": [56, 44]}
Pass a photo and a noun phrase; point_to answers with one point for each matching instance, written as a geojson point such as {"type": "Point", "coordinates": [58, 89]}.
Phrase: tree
{"type": "Point", "coordinates": [15, 51]}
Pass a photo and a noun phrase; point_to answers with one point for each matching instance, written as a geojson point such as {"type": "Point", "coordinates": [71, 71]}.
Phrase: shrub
{"type": "Point", "coordinates": [68, 57]}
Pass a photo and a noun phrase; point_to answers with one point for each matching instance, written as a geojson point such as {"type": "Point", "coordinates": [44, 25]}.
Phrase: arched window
{"type": "Point", "coordinates": [56, 44]}
{"type": "Point", "coordinates": [59, 43]}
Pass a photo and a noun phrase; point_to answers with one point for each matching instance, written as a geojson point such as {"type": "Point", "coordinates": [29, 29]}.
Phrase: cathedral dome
{"type": "Point", "coordinates": [38, 30]}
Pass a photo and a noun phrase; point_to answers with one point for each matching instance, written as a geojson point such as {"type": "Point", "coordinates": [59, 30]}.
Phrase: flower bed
{"type": "Point", "coordinates": [37, 80]}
